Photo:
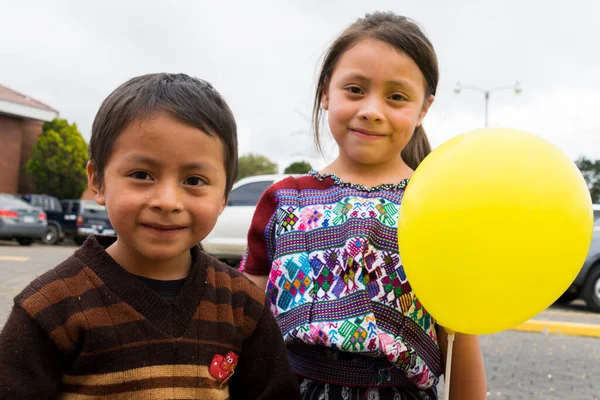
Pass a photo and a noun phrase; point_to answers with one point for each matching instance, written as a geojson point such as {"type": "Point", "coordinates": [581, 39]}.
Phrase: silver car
{"type": "Point", "coordinates": [587, 283]}
{"type": "Point", "coordinates": [20, 221]}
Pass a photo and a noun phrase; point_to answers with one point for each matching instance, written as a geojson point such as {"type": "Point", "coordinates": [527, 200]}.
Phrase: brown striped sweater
{"type": "Point", "coordinates": [88, 329]}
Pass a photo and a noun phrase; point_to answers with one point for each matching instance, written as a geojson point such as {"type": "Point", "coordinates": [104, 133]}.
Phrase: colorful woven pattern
{"type": "Point", "coordinates": [336, 275]}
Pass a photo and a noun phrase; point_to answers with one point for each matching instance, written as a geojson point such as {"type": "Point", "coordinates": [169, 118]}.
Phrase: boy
{"type": "Point", "coordinates": [147, 314]}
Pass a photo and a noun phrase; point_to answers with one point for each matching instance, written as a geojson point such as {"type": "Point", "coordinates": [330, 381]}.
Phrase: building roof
{"type": "Point", "coordinates": [20, 105]}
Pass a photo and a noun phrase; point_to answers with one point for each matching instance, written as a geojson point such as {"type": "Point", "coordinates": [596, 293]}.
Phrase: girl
{"type": "Point", "coordinates": [325, 245]}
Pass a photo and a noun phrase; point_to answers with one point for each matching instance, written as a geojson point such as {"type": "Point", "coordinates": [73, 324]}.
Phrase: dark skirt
{"type": "Point", "coordinates": [311, 390]}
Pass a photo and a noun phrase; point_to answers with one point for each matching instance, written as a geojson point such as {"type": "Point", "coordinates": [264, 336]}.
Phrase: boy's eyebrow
{"type": "Point", "coordinates": [141, 159]}
{"type": "Point", "coordinates": [199, 165]}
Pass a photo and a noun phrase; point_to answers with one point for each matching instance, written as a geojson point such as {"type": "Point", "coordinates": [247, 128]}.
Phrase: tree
{"type": "Point", "coordinates": [58, 159]}
{"type": "Point", "coordinates": [591, 172]}
{"type": "Point", "coordinates": [254, 164]}
{"type": "Point", "coordinates": [299, 167]}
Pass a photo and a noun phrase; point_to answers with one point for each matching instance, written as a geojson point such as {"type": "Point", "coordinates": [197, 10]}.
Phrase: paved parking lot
{"type": "Point", "coordinates": [518, 365]}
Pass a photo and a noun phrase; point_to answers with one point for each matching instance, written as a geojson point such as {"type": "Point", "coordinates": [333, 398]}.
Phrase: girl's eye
{"type": "Point", "coordinates": [194, 181]}
{"type": "Point", "coordinates": [397, 97]}
{"type": "Point", "coordinates": [141, 175]}
{"type": "Point", "coordinates": [354, 90]}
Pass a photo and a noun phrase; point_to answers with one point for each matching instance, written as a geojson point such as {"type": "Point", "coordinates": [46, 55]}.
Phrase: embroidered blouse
{"type": "Point", "coordinates": [336, 279]}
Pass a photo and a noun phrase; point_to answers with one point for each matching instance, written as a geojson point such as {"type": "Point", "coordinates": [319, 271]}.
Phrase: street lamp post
{"type": "Point", "coordinates": [516, 87]}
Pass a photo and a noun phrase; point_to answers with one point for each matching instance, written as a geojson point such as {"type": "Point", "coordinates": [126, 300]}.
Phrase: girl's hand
{"type": "Point", "coordinates": [467, 376]}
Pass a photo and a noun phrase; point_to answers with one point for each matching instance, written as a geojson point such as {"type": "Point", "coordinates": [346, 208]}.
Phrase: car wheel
{"type": "Point", "coordinates": [25, 241]}
{"type": "Point", "coordinates": [78, 240]}
{"type": "Point", "coordinates": [591, 290]}
{"type": "Point", "coordinates": [51, 235]}
{"type": "Point", "coordinates": [567, 297]}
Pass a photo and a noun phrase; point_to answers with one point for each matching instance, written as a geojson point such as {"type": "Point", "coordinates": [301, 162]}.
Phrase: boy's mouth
{"type": "Point", "coordinates": [164, 228]}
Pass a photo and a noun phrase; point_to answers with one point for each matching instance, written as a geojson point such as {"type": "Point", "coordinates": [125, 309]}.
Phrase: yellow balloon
{"type": "Point", "coordinates": [494, 226]}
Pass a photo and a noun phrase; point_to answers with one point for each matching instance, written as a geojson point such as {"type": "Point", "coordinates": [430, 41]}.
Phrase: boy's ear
{"type": "Point", "coordinates": [224, 204]}
{"type": "Point", "coordinates": [94, 184]}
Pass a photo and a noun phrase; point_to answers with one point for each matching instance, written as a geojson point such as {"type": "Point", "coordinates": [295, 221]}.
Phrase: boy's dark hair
{"type": "Point", "coordinates": [402, 34]}
{"type": "Point", "coordinates": [192, 100]}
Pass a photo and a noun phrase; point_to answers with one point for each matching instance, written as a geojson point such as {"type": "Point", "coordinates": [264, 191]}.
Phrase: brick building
{"type": "Point", "coordinates": [21, 120]}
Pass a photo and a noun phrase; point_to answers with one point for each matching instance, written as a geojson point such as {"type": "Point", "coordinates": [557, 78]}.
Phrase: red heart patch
{"type": "Point", "coordinates": [222, 367]}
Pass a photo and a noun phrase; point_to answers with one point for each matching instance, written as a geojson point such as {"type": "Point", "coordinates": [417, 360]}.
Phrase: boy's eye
{"type": "Point", "coordinates": [194, 181]}
{"type": "Point", "coordinates": [141, 175]}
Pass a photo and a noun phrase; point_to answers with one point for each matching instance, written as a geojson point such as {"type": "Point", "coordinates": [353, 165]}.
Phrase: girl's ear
{"type": "Point", "coordinates": [426, 104]}
{"type": "Point", "coordinates": [325, 96]}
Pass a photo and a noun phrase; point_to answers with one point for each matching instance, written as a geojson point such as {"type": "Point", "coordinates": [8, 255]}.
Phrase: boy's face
{"type": "Point", "coordinates": [163, 188]}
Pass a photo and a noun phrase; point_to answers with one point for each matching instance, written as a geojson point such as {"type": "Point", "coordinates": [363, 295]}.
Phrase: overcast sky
{"type": "Point", "coordinates": [263, 57]}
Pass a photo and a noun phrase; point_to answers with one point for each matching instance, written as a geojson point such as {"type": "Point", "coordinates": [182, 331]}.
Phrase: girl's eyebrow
{"type": "Point", "coordinates": [355, 75]}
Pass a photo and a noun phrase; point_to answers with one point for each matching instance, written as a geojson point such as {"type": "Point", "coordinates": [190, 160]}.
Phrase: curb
{"type": "Point", "coordinates": [559, 328]}
{"type": "Point", "coordinates": [14, 258]}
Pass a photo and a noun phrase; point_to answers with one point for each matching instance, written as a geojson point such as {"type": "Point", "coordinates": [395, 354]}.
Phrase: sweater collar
{"type": "Point", "coordinates": [172, 318]}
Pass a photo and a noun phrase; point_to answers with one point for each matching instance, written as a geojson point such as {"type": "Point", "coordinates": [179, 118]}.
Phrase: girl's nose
{"type": "Point", "coordinates": [371, 110]}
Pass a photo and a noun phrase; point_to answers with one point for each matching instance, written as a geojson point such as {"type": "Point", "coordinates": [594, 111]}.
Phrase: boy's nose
{"type": "Point", "coordinates": [167, 199]}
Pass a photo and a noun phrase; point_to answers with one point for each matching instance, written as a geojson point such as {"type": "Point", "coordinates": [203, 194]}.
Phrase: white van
{"type": "Point", "coordinates": [228, 239]}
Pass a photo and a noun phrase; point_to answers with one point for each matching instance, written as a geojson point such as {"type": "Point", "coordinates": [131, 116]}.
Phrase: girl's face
{"type": "Point", "coordinates": [375, 100]}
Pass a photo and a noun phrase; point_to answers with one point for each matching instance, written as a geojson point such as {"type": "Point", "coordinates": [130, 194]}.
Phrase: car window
{"type": "Point", "coordinates": [56, 205]}
{"type": "Point", "coordinates": [51, 205]}
{"type": "Point", "coordinates": [90, 207]}
{"type": "Point", "coordinates": [66, 206]}
{"type": "Point", "coordinates": [596, 217]}
{"type": "Point", "coordinates": [249, 194]}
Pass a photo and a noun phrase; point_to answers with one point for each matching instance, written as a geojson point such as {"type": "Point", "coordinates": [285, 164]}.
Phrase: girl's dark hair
{"type": "Point", "coordinates": [192, 100]}
{"type": "Point", "coordinates": [404, 35]}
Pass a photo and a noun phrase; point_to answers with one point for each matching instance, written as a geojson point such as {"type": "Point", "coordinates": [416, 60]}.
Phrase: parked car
{"type": "Point", "coordinates": [20, 221]}
{"type": "Point", "coordinates": [587, 283]}
{"type": "Point", "coordinates": [55, 231]}
{"type": "Point", "coordinates": [84, 218]}
{"type": "Point", "coordinates": [228, 239]}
